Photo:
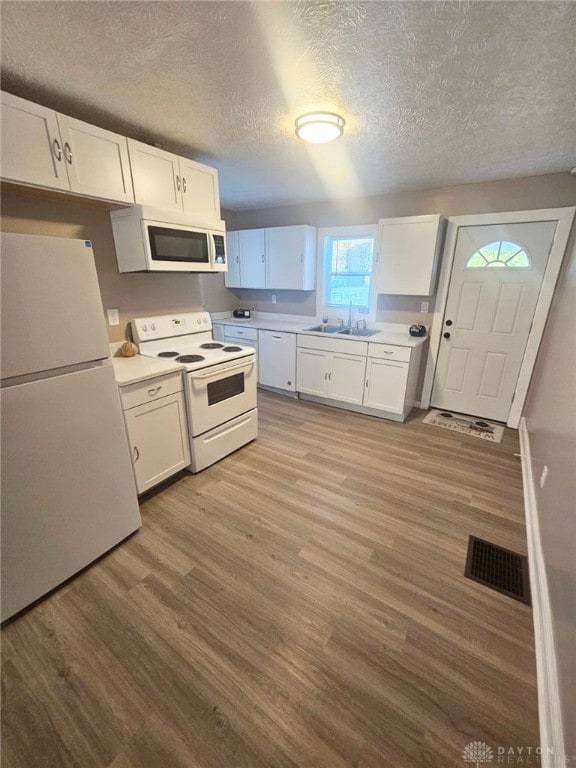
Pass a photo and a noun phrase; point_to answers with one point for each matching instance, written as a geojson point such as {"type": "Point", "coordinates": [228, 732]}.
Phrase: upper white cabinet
{"type": "Point", "coordinates": [232, 276]}
{"type": "Point", "coordinates": [45, 149]}
{"type": "Point", "coordinates": [31, 144]}
{"type": "Point", "coordinates": [252, 250]}
{"type": "Point", "coordinates": [169, 182]}
{"type": "Point", "coordinates": [280, 258]}
{"type": "Point", "coordinates": [290, 258]}
{"type": "Point", "coordinates": [408, 254]}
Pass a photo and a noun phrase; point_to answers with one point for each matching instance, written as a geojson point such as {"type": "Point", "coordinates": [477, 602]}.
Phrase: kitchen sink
{"type": "Point", "coordinates": [356, 332]}
{"type": "Point", "coordinates": [324, 328]}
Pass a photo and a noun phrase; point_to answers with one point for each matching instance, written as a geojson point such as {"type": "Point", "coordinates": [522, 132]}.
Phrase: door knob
{"type": "Point", "coordinates": [448, 322]}
{"type": "Point", "coordinates": [446, 335]}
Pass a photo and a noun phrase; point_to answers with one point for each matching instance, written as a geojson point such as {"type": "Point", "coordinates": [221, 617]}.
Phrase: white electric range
{"type": "Point", "coordinates": [219, 382]}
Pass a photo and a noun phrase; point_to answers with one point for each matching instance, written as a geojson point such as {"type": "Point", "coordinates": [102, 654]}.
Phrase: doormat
{"type": "Point", "coordinates": [466, 425]}
{"type": "Point", "coordinates": [498, 568]}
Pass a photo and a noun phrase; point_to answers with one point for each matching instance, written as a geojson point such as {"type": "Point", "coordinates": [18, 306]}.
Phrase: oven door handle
{"type": "Point", "coordinates": [221, 371]}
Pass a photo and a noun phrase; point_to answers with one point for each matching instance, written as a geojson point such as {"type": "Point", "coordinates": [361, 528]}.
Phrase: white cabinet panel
{"type": "Point", "coordinates": [277, 360]}
{"type": "Point", "coordinates": [169, 182]}
{"type": "Point", "coordinates": [155, 416]}
{"type": "Point", "coordinates": [96, 160]}
{"type": "Point", "coordinates": [290, 258]}
{"type": "Point", "coordinates": [408, 254]}
{"type": "Point", "coordinates": [46, 149]}
{"type": "Point", "coordinates": [155, 175]}
{"type": "Point", "coordinates": [386, 385]}
{"type": "Point", "coordinates": [252, 249]}
{"type": "Point", "coordinates": [278, 258]}
{"type": "Point", "coordinates": [200, 194]}
{"type": "Point", "coordinates": [312, 372]}
{"type": "Point", "coordinates": [32, 151]}
{"type": "Point", "coordinates": [158, 440]}
{"type": "Point", "coordinates": [232, 278]}
{"type": "Point", "coordinates": [346, 378]}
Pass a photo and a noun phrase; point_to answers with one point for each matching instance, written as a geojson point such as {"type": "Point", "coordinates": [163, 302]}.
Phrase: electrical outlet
{"type": "Point", "coordinates": [273, 298]}
{"type": "Point", "coordinates": [424, 306]}
{"type": "Point", "coordinates": [113, 317]}
{"type": "Point", "coordinates": [543, 476]}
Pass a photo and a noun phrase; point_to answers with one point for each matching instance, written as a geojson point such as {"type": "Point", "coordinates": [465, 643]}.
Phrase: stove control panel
{"type": "Point", "coordinates": [166, 326]}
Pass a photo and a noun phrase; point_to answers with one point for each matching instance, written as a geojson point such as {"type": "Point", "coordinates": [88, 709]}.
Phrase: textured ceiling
{"type": "Point", "coordinates": [433, 93]}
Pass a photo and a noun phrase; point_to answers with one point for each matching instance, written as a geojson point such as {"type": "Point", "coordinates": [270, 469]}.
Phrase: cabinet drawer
{"type": "Point", "coordinates": [235, 332]}
{"type": "Point", "coordinates": [152, 389]}
{"type": "Point", "coordinates": [389, 352]}
{"type": "Point", "coordinates": [332, 344]}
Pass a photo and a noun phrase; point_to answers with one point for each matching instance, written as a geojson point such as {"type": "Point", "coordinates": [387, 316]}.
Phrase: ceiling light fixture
{"type": "Point", "coordinates": [319, 127]}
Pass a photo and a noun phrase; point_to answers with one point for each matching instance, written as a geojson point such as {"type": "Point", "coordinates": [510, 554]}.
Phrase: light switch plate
{"type": "Point", "coordinates": [424, 306]}
{"type": "Point", "coordinates": [113, 317]}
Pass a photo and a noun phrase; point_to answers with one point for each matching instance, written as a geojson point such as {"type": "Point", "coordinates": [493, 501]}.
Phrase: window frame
{"type": "Point", "coordinates": [335, 311]}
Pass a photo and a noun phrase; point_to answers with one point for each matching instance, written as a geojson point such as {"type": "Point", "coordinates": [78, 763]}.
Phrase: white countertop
{"type": "Point", "coordinates": [130, 370]}
{"type": "Point", "coordinates": [397, 335]}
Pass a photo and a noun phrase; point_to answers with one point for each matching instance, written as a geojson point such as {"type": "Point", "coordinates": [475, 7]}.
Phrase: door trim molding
{"type": "Point", "coordinates": [564, 217]}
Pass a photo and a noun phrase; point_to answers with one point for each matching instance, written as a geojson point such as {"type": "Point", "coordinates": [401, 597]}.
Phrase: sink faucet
{"type": "Point", "coordinates": [350, 315]}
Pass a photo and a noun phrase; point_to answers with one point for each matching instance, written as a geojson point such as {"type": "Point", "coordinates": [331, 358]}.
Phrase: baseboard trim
{"type": "Point", "coordinates": [549, 709]}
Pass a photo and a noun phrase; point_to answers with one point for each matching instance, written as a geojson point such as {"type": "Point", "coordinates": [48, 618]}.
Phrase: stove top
{"type": "Point", "coordinates": [185, 339]}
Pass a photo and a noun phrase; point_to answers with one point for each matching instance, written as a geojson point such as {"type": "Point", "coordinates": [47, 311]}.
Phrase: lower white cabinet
{"type": "Point", "coordinates": [277, 360]}
{"type": "Point", "coordinates": [334, 375]}
{"type": "Point", "coordinates": [373, 378]}
{"type": "Point", "coordinates": [155, 416]}
{"type": "Point", "coordinates": [385, 385]}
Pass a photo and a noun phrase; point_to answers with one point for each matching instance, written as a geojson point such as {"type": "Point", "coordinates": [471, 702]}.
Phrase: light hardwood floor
{"type": "Point", "coordinates": [299, 604]}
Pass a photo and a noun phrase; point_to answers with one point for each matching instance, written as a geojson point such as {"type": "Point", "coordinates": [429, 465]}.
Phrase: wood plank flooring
{"type": "Point", "coordinates": [301, 604]}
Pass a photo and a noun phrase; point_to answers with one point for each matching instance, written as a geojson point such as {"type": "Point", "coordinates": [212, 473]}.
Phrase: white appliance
{"type": "Point", "coordinates": [152, 240]}
{"type": "Point", "coordinates": [68, 492]}
{"type": "Point", "coordinates": [220, 382]}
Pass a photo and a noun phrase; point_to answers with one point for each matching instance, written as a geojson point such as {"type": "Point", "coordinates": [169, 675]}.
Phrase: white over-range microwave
{"type": "Point", "coordinates": [153, 240]}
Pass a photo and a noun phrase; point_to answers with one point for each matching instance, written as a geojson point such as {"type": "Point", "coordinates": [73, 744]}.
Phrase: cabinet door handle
{"type": "Point", "coordinates": [57, 150]}
{"type": "Point", "coordinates": [330, 376]}
{"type": "Point", "coordinates": [276, 337]}
{"type": "Point", "coordinates": [366, 383]}
{"type": "Point", "coordinates": [178, 183]}
{"type": "Point", "coordinates": [387, 353]}
{"type": "Point", "coordinates": [183, 184]}
{"type": "Point", "coordinates": [301, 258]}
{"type": "Point", "coordinates": [136, 453]}
{"type": "Point", "coordinates": [153, 390]}
{"type": "Point", "coordinates": [68, 153]}
{"type": "Point", "coordinates": [262, 258]}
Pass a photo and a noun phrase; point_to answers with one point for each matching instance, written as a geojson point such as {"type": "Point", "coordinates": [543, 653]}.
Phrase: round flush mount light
{"type": "Point", "coordinates": [319, 127]}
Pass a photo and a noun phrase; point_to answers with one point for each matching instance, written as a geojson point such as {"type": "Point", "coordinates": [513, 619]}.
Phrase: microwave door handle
{"type": "Point", "coordinates": [212, 250]}
{"type": "Point", "coordinates": [221, 371]}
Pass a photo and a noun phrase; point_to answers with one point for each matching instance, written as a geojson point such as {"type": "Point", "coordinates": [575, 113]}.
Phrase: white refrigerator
{"type": "Point", "coordinates": [67, 488]}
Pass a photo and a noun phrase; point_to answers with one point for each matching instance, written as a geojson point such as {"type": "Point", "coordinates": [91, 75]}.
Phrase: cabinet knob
{"type": "Point", "coordinates": [136, 453]}
{"type": "Point", "coordinates": [448, 322]}
{"type": "Point", "coordinates": [68, 153]}
{"type": "Point", "coordinates": [446, 335]}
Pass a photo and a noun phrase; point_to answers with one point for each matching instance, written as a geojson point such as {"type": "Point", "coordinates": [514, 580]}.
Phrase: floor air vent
{"type": "Point", "coordinates": [499, 569]}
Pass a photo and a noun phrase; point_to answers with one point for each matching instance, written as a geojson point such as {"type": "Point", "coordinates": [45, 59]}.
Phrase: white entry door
{"type": "Point", "coordinates": [496, 278]}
